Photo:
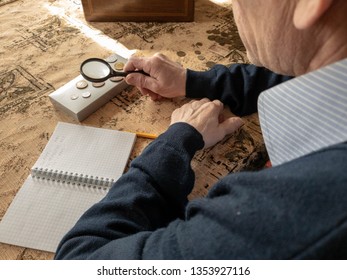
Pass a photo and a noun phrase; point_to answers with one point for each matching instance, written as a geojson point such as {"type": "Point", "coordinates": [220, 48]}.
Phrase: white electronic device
{"type": "Point", "coordinates": [79, 98]}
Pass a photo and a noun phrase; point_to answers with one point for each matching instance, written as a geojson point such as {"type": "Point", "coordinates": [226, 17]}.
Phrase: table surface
{"type": "Point", "coordinates": [41, 50]}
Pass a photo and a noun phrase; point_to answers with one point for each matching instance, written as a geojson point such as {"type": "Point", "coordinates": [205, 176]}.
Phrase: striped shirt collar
{"type": "Point", "coordinates": [305, 114]}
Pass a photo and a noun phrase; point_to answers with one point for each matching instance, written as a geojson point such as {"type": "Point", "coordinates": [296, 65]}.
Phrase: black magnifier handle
{"type": "Point", "coordinates": [98, 70]}
{"type": "Point", "coordinates": [124, 74]}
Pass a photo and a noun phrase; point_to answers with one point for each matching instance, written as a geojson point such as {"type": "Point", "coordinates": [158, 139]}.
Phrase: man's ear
{"type": "Point", "coordinates": [308, 12]}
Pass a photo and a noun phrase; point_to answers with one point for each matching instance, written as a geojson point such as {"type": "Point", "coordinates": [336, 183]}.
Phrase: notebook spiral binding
{"type": "Point", "coordinates": [71, 178]}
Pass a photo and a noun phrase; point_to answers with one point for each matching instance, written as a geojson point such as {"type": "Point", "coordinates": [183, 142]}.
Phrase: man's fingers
{"type": "Point", "coordinates": [232, 124]}
{"type": "Point", "coordinates": [134, 80]}
{"type": "Point", "coordinates": [195, 104]}
{"type": "Point", "coordinates": [134, 63]}
{"type": "Point", "coordinates": [154, 96]}
{"type": "Point", "coordinates": [142, 81]}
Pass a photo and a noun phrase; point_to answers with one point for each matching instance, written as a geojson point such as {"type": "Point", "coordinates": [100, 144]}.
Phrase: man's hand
{"type": "Point", "coordinates": [166, 78]}
{"type": "Point", "coordinates": [205, 116]}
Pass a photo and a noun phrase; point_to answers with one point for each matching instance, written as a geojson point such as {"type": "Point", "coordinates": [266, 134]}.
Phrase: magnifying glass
{"type": "Point", "coordinates": [97, 70]}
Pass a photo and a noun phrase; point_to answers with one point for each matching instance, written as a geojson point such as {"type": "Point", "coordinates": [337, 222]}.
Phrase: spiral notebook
{"type": "Point", "coordinates": [75, 170]}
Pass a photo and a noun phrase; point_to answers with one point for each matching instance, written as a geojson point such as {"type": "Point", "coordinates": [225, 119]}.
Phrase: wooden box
{"type": "Point", "coordinates": [138, 10]}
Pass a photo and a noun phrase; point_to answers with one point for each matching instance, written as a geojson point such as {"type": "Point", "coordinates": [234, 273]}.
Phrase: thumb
{"type": "Point", "coordinates": [132, 80]}
{"type": "Point", "coordinates": [139, 80]}
{"type": "Point", "coordinates": [232, 124]}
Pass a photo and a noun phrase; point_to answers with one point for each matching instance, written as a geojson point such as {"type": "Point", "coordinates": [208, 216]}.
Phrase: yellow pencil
{"type": "Point", "coordinates": [146, 135]}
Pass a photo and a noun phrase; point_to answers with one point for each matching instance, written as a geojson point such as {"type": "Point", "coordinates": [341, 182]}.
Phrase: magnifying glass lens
{"type": "Point", "coordinates": [96, 69]}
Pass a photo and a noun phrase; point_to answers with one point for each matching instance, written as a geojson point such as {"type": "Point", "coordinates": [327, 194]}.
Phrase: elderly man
{"type": "Point", "coordinates": [295, 210]}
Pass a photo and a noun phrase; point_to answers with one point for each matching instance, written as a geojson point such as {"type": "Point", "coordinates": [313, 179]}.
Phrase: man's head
{"type": "Point", "coordinates": [294, 36]}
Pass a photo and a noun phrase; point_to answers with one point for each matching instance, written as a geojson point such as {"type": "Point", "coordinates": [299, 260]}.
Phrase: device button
{"type": "Point", "coordinates": [74, 96]}
{"type": "Point", "coordinates": [86, 94]}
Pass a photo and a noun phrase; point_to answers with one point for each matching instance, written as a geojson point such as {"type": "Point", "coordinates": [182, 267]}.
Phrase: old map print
{"type": "Point", "coordinates": [41, 49]}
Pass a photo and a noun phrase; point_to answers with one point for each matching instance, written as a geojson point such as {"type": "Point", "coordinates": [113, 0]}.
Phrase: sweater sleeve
{"type": "Point", "coordinates": [237, 86]}
{"type": "Point", "coordinates": [149, 196]}
{"type": "Point", "coordinates": [285, 212]}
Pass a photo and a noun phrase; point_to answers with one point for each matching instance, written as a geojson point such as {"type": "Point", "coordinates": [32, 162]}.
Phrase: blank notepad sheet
{"type": "Point", "coordinates": [87, 150]}
{"type": "Point", "coordinates": [45, 208]}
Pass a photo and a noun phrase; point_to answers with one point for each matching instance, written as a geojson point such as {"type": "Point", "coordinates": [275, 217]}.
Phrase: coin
{"type": "Point", "coordinates": [119, 66]}
{"type": "Point", "coordinates": [97, 85]}
{"type": "Point", "coordinates": [81, 84]}
{"type": "Point", "coordinates": [116, 79]}
{"type": "Point", "coordinates": [111, 59]}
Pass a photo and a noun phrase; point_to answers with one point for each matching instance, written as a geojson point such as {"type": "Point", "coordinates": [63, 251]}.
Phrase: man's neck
{"type": "Point", "coordinates": [331, 38]}
{"type": "Point", "coordinates": [329, 53]}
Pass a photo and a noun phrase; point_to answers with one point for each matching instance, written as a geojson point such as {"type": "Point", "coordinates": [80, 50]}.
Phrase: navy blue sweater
{"type": "Point", "coordinates": [293, 211]}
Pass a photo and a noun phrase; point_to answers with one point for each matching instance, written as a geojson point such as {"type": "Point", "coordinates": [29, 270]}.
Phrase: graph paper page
{"type": "Point", "coordinates": [44, 210]}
